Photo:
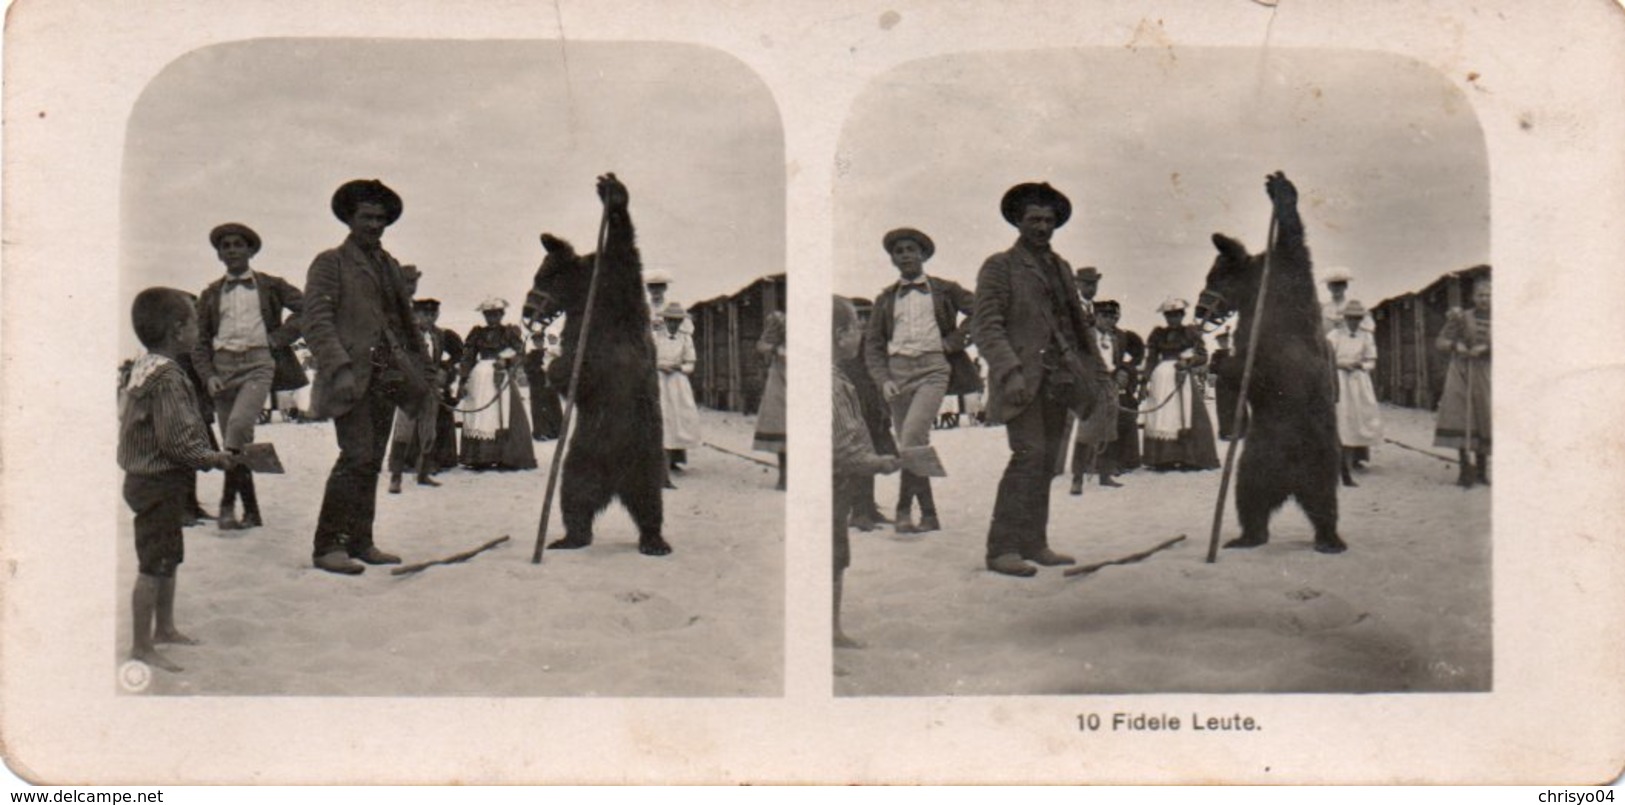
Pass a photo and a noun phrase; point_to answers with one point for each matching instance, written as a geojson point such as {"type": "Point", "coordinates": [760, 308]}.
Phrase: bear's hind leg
{"type": "Point", "coordinates": [1321, 507]}
{"type": "Point", "coordinates": [1316, 487]}
{"type": "Point", "coordinates": [1259, 489]}
{"type": "Point", "coordinates": [585, 491]}
{"type": "Point", "coordinates": [1254, 507]}
{"type": "Point", "coordinates": [640, 492]}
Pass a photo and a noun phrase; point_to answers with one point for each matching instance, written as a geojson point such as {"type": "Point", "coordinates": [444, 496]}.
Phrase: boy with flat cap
{"type": "Point", "coordinates": [1041, 356]}
{"type": "Point", "coordinates": [357, 321]}
{"type": "Point", "coordinates": [915, 351]}
{"type": "Point", "coordinates": [241, 337]}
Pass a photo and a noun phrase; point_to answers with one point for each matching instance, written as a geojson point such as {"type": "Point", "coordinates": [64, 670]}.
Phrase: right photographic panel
{"type": "Point", "coordinates": [1162, 373]}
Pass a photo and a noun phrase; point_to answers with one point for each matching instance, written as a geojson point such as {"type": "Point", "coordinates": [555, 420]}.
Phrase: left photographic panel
{"type": "Point", "coordinates": [418, 271]}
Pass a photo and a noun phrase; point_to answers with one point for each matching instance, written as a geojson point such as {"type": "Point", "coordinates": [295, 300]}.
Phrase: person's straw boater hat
{"type": "Point", "coordinates": [492, 303]}
{"type": "Point", "coordinates": [657, 276]}
{"type": "Point", "coordinates": [356, 192]}
{"type": "Point", "coordinates": [909, 233]}
{"type": "Point", "coordinates": [1337, 275]}
{"type": "Point", "coordinates": [220, 232]}
{"type": "Point", "coordinates": [1354, 310]}
{"type": "Point", "coordinates": [425, 304]}
{"type": "Point", "coordinates": [1108, 306]}
{"type": "Point", "coordinates": [1172, 304]}
{"type": "Point", "coordinates": [673, 310]}
{"type": "Point", "coordinates": [1089, 273]}
{"type": "Point", "coordinates": [1017, 198]}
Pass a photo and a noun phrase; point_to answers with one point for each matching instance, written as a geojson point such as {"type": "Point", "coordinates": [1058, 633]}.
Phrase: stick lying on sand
{"type": "Point", "coordinates": [1130, 559]}
{"type": "Point", "coordinates": [741, 455]}
{"type": "Point", "coordinates": [1429, 453]}
{"type": "Point", "coordinates": [450, 560]}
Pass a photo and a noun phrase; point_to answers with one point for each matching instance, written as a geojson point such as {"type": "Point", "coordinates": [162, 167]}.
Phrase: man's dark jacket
{"type": "Point", "coordinates": [1015, 322]}
{"type": "Point", "coordinates": [350, 301]}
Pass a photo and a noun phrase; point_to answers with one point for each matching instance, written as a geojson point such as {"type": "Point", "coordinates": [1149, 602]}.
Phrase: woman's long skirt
{"type": "Point", "coordinates": [770, 417]}
{"type": "Point", "coordinates": [1464, 407]}
{"type": "Point", "coordinates": [1179, 433]}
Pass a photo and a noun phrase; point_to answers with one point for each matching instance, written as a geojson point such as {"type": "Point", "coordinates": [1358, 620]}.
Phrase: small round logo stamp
{"type": "Point", "coordinates": [134, 676]}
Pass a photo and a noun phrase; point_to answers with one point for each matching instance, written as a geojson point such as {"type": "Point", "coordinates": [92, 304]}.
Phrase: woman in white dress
{"type": "Point", "coordinates": [679, 416]}
{"type": "Point", "coordinates": [1359, 419]}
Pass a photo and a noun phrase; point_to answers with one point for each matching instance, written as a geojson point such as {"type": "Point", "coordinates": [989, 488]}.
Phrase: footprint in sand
{"type": "Point", "coordinates": [647, 612]}
{"type": "Point", "coordinates": [1312, 610]}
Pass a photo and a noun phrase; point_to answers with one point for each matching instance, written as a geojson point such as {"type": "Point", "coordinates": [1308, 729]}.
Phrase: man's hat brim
{"type": "Point", "coordinates": [1018, 198]}
{"type": "Point", "coordinates": [909, 233]}
{"type": "Point", "coordinates": [354, 193]}
{"type": "Point", "coordinates": [220, 232]}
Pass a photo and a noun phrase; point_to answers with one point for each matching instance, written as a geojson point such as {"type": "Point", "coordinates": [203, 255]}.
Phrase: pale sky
{"type": "Point", "coordinates": [489, 143]}
{"type": "Point", "coordinates": [1158, 149]}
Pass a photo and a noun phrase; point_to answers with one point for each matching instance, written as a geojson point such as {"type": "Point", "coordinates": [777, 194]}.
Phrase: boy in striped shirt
{"type": "Point", "coordinates": [161, 442]}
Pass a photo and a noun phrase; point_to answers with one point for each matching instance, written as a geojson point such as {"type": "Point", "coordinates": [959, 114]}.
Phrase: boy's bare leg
{"type": "Point", "coordinates": [143, 603]}
{"type": "Point", "coordinates": [166, 631]}
{"type": "Point", "coordinates": [841, 640]}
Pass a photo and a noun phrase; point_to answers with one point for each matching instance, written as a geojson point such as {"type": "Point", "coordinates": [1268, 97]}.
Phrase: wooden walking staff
{"type": "Point", "coordinates": [570, 393]}
{"type": "Point", "coordinates": [1241, 399]}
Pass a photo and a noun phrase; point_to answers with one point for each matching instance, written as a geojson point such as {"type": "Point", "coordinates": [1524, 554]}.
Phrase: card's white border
{"type": "Point", "coordinates": [1548, 95]}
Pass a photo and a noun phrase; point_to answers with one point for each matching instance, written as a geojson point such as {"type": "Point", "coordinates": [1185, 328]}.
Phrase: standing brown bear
{"type": "Point", "coordinates": [615, 449]}
{"type": "Point", "coordinates": [1291, 448]}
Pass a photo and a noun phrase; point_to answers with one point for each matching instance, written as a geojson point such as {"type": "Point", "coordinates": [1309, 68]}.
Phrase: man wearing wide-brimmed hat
{"type": "Point", "coordinates": [1093, 437]}
{"type": "Point", "coordinates": [241, 340]}
{"type": "Point", "coordinates": [416, 433]}
{"type": "Point", "coordinates": [914, 348]}
{"type": "Point", "coordinates": [358, 317]}
{"type": "Point", "coordinates": [1030, 328]}
{"type": "Point", "coordinates": [445, 353]}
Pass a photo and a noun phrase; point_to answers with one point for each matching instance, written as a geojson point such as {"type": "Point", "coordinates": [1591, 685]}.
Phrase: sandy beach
{"type": "Point", "coordinates": [604, 621]}
{"type": "Point", "coordinates": [1407, 608]}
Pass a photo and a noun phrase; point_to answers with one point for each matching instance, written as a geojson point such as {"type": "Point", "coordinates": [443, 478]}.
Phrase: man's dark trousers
{"type": "Point", "coordinates": [351, 501]}
{"type": "Point", "coordinates": [1021, 513]}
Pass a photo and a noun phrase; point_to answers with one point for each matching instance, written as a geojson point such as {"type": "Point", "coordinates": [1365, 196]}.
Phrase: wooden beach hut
{"type": "Point", "coordinates": [1410, 372]}
{"type": "Point", "coordinates": [728, 373]}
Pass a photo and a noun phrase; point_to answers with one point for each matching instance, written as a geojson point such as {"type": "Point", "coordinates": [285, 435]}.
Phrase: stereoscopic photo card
{"type": "Point", "coordinates": [527, 302]}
